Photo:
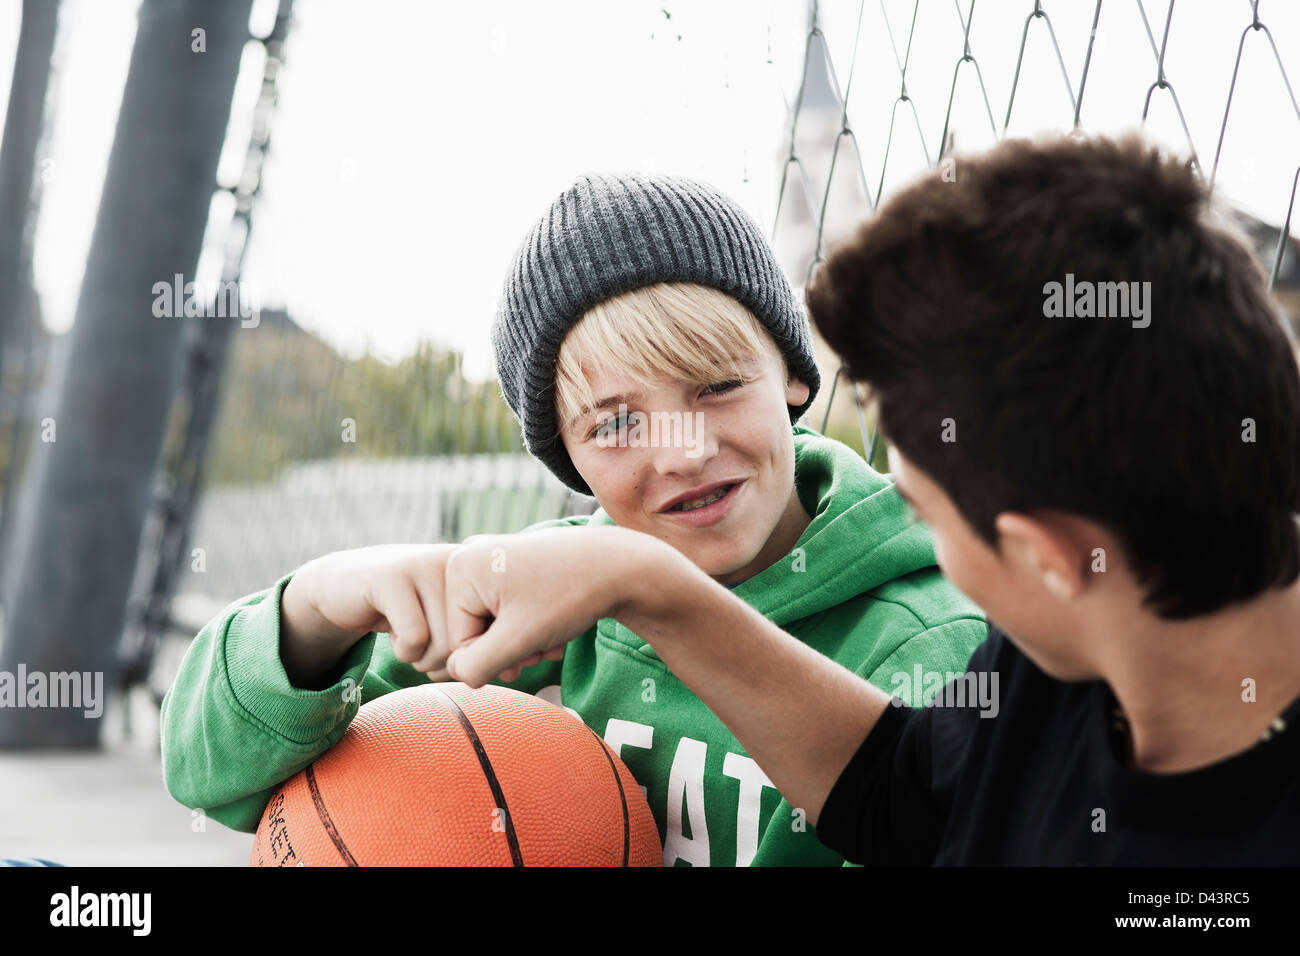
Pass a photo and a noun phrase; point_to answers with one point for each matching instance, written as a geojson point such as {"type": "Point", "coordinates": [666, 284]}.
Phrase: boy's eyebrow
{"type": "Point", "coordinates": [613, 400]}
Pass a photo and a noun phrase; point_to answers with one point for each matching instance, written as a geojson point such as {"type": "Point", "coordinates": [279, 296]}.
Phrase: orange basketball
{"type": "Point", "coordinates": [442, 775]}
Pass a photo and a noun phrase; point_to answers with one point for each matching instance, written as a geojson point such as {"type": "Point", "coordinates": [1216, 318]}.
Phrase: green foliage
{"type": "Point", "coordinates": [286, 396]}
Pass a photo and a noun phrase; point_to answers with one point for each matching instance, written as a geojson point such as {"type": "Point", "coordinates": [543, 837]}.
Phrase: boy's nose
{"type": "Point", "coordinates": [685, 445]}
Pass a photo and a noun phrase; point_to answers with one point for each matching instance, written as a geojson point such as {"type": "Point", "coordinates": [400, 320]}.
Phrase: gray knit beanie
{"type": "Point", "coordinates": [606, 235]}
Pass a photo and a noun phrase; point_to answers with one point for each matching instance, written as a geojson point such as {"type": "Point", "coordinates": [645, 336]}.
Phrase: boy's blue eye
{"type": "Point", "coordinates": [611, 427]}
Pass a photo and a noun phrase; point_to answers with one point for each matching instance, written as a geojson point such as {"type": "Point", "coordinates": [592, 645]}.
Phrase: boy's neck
{"type": "Point", "coordinates": [1182, 685]}
{"type": "Point", "coordinates": [791, 526]}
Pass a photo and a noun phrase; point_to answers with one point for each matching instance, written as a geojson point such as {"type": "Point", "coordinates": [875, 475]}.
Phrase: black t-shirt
{"type": "Point", "coordinates": [1042, 782]}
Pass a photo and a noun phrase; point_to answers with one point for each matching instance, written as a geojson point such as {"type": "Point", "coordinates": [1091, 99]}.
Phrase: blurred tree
{"type": "Point", "coordinates": [288, 393]}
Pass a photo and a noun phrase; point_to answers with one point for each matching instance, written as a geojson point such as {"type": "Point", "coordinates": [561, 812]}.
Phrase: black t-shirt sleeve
{"type": "Point", "coordinates": [891, 803]}
{"type": "Point", "coordinates": [872, 813]}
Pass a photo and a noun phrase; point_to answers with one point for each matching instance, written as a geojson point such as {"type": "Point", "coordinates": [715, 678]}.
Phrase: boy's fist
{"type": "Point", "coordinates": [501, 602]}
{"type": "Point", "coordinates": [335, 599]}
{"type": "Point", "coordinates": [515, 600]}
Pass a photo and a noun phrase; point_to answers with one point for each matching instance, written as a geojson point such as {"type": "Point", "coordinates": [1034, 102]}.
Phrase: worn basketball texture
{"type": "Point", "coordinates": [442, 775]}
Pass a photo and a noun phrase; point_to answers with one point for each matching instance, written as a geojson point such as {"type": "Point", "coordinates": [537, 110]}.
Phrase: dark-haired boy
{"type": "Point", "coordinates": [1119, 496]}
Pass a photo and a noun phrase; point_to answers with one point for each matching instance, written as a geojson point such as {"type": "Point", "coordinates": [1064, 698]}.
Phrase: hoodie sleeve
{"type": "Point", "coordinates": [233, 727]}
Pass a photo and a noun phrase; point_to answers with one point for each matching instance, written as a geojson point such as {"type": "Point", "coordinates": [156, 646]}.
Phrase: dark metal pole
{"type": "Point", "coordinates": [22, 133]}
{"type": "Point", "coordinates": [24, 125]}
{"type": "Point", "coordinates": [70, 584]}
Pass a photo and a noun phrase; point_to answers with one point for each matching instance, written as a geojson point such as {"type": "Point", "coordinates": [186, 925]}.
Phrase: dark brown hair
{"type": "Point", "coordinates": [940, 304]}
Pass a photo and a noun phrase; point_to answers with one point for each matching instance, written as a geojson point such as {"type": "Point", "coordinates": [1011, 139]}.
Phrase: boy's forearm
{"type": "Point", "coordinates": [799, 714]}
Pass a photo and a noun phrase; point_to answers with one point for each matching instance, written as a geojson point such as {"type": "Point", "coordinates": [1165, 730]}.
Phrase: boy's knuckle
{"type": "Point", "coordinates": [456, 563]}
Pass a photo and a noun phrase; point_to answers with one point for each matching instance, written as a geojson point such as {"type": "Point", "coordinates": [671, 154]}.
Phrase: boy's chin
{"type": "Point", "coordinates": [716, 559]}
{"type": "Point", "coordinates": [721, 566]}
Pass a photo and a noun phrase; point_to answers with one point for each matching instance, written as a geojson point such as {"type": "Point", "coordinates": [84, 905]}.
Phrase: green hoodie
{"type": "Point", "coordinates": [860, 586]}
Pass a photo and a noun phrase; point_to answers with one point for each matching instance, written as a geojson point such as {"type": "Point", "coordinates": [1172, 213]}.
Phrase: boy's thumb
{"type": "Point", "coordinates": [464, 665]}
{"type": "Point", "coordinates": [476, 660]}
{"type": "Point", "coordinates": [451, 665]}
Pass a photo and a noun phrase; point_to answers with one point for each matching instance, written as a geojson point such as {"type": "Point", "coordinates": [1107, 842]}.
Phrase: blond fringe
{"type": "Point", "coordinates": [666, 331]}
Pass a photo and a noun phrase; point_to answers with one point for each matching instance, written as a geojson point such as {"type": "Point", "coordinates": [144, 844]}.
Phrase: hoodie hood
{"type": "Point", "coordinates": [860, 536]}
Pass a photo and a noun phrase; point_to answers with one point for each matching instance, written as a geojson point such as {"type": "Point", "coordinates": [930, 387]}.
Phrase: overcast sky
{"type": "Point", "coordinates": [416, 142]}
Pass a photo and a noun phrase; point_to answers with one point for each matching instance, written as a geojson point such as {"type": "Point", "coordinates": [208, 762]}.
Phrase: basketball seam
{"type": "Point", "coordinates": [486, 765]}
{"type": "Point", "coordinates": [622, 796]}
{"type": "Point", "coordinates": [326, 820]}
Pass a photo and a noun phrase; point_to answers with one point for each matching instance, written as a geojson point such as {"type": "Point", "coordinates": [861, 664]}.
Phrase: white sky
{"type": "Point", "coordinates": [416, 142]}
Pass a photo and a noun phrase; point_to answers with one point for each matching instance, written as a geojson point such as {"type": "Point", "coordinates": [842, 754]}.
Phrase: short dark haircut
{"type": "Point", "coordinates": [938, 303]}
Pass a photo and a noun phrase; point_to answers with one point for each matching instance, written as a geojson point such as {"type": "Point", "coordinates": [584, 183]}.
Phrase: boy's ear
{"type": "Point", "coordinates": [796, 391]}
{"type": "Point", "coordinates": [1045, 549]}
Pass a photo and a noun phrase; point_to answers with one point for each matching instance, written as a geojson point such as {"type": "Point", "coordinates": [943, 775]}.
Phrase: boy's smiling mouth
{"type": "Point", "coordinates": [704, 505]}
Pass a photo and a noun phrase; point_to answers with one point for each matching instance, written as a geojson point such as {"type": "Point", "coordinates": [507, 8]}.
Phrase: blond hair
{"type": "Point", "coordinates": [668, 330]}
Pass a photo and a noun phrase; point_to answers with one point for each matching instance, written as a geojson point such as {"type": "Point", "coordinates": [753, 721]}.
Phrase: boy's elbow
{"type": "Point", "coordinates": [191, 785]}
{"type": "Point", "coordinates": [243, 815]}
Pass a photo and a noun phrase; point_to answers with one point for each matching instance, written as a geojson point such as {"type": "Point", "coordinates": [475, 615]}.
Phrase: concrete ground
{"type": "Point", "coordinates": [107, 808]}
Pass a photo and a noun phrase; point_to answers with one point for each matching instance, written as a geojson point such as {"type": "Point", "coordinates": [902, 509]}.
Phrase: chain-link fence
{"type": "Point", "coordinates": [923, 81]}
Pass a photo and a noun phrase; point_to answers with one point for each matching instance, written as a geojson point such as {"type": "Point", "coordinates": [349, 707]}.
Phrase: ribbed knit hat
{"type": "Point", "coordinates": [606, 235]}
